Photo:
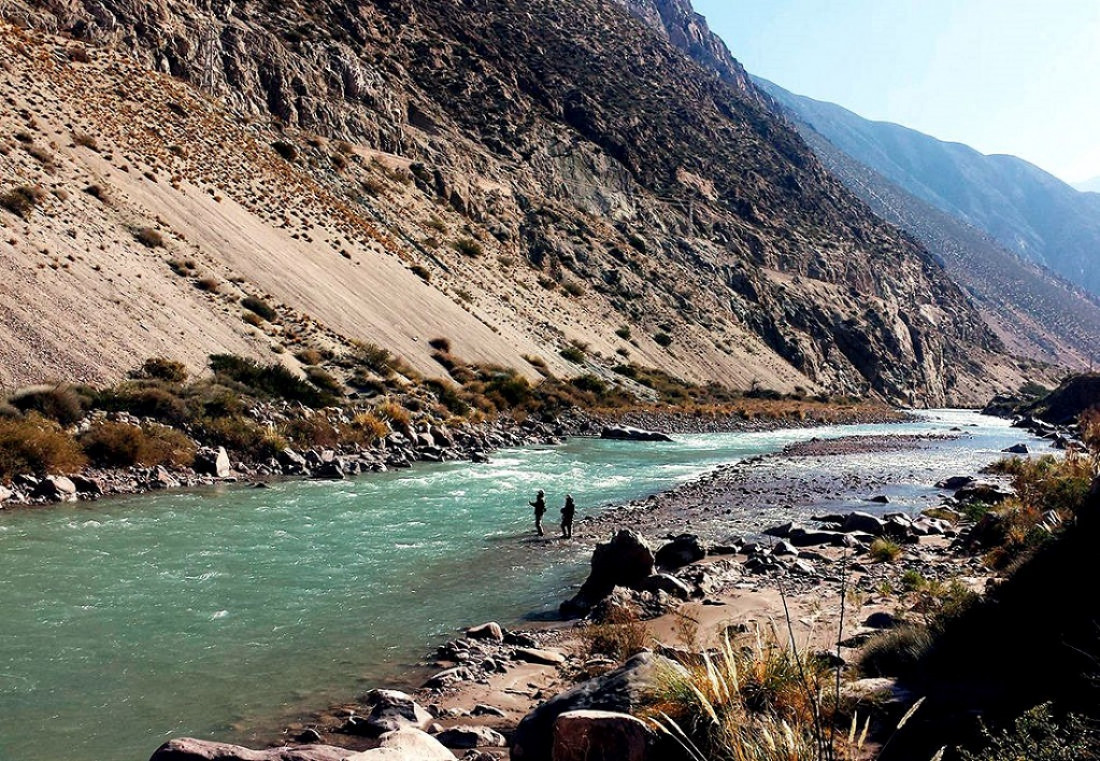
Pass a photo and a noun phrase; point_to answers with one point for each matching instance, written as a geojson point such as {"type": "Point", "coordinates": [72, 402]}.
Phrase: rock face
{"type": "Point", "coordinates": [790, 280]}
{"type": "Point", "coordinates": [601, 736]}
{"type": "Point", "coordinates": [626, 433]}
{"type": "Point", "coordinates": [620, 691]}
{"type": "Point", "coordinates": [624, 561]}
{"type": "Point", "coordinates": [188, 749]}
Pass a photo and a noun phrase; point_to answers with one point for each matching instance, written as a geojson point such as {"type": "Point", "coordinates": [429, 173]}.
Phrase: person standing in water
{"type": "Point", "coordinates": [540, 510]}
{"type": "Point", "coordinates": [567, 513]}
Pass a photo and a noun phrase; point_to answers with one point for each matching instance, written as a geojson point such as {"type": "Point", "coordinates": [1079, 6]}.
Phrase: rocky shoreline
{"type": "Point", "coordinates": [424, 442]}
{"type": "Point", "coordinates": [480, 685]}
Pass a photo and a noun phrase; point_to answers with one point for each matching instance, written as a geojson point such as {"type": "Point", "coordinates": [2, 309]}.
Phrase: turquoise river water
{"type": "Point", "coordinates": [129, 621]}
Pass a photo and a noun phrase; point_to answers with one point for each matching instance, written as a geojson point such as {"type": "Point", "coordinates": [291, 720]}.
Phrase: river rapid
{"type": "Point", "coordinates": [126, 622]}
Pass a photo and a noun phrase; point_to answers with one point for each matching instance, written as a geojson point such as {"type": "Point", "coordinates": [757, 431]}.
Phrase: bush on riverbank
{"type": "Point", "coordinates": [33, 444]}
{"type": "Point", "coordinates": [121, 445]}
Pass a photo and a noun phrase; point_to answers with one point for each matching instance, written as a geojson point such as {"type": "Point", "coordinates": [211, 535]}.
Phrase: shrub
{"type": "Point", "coordinates": [623, 332]}
{"type": "Point", "coordinates": [589, 383]}
{"type": "Point", "coordinates": [1038, 736]}
{"type": "Point", "coordinates": [120, 445]}
{"type": "Point", "coordinates": [149, 399]}
{"type": "Point", "coordinates": [396, 415]}
{"type": "Point", "coordinates": [259, 307]}
{"type": "Point", "coordinates": [573, 288]}
{"type": "Point", "coordinates": [85, 140]}
{"type": "Point", "coordinates": [759, 702]}
{"type": "Point", "coordinates": [373, 357]}
{"type": "Point", "coordinates": [324, 380]}
{"type": "Point", "coordinates": [59, 403]}
{"type": "Point", "coordinates": [895, 652]}
{"type": "Point", "coordinates": [22, 200]}
{"type": "Point", "coordinates": [663, 339]}
{"type": "Point", "coordinates": [468, 247]}
{"type": "Point", "coordinates": [620, 636]}
{"type": "Point", "coordinates": [574, 354]}
{"type": "Point", "coordinates": [885, 550]}
{"type": "Point", "coordinates": [372, 426]}
{"type": "Point", "coordinates": [449, 397]}
{"type": "Point", "coordinates": [36, 445]}
{"type": "Point", "coordinates": [149, 237]}
{"type": "Point", "coordinates": [421, 272]}
{"type": "Point", "coordinates": [159, 368]}
{"type": "Point", "coordinates": [285, 150]}
{"type": "Point", "coordinates": [272, 381]}
{"type": "Point", "coordinates": [440, 344]}
{"type": "Point", "coordinates": [208, 284]}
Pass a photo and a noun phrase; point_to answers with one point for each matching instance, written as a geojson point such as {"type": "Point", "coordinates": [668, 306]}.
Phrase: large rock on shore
{"type": "Point", "coordinates": [213, 462]}
{"type": "Point", "coordinates": [625, 561]}
{"type": "Point", "coordinates": [623, 690]}
{"type": "Point", "coordinates": [405, 745]}
{"type": "Point", "coordinates": [55, 489]}
{"type": "Point", "coordinates": [190, 749]}
{"type": "Point", "coordinates": [601, 736]}
{"type": "Point", "coordinates": [627, 433]}
{"type": "Point", "coordinates": [683, 550]}
{"type": "Point", "coordinates": [390, 711]}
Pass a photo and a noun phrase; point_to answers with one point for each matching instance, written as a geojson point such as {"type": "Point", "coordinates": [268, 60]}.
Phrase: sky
{"type": "Point", "coordinates": [1003, 76]}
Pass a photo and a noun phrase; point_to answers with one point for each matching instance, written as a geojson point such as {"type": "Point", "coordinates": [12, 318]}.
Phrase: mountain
{"type": "Point", "coordinates": [1021, 207]}
{"type": "Point", "coordinates": [1088, 186]}
{"type": "Point", "coordinates": [517, 177]}
{"type": "Point", "coordinates": [1035, 312]}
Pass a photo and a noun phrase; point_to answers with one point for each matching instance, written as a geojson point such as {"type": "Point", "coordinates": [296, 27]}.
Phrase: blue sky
{"type": "Point", "coordinates": [1004, 76]}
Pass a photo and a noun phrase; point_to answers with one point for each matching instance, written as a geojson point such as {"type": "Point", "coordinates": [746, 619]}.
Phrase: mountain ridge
{"type": "Point", "coordinates": [682, 208]}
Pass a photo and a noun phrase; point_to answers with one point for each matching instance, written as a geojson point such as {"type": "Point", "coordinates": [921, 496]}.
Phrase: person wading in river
{"type": "Point", "coordinates": [567, 513]}
{"type": "Point", "coordinates": [540, 510]}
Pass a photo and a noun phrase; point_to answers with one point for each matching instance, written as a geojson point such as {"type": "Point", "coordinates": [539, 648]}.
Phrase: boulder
{"type": "Point", "coordinates": [955, 482]}
{"type": "Point", "coordinates": [540, 656]}
{"type": "Point", "coordinates": [5, 493]}
{"type": "Point", "coordinates": [865, 522]}
{"type": "Point", "coordinates": [404, 745]}
{"type": "Point", "coordinates": [601, 736]}
{"type": "Point", "coordinates": [670, 585]}
{"type": "Point", "coordinates": [683, 550]}
{"type": "Point", "coordinates": [490, 631]}
{"type": "Point", "coordinates": [55, 489]}
{"type": "Point", "coordinates": [882, 620]}
{"type": "Point", "coordinates": [990, 494]}
{"type": "Point", "coordinates": [881, 499]}
{"type": "Point", "coordinates": [392, 710]}
{"type": "Point", "coordinates": [330, 469]}
{"type": "Point", "coordinates": [1016, 449]}
{"type": "Point", "coordinates": [87, 486]}
{"type": "Point", "coordinates": [160, 478]}
{"type": "Point", "coordinates": [623, 690]}
{"type": "Point", "coordinates": [805, 537]}
{"type": "Point", "coordinates": [627, 433]}
{"type": "Point", "coordinates": [463, 738]}
{"type": "Point", "coordinates": [213, 462]}
{"type": "Point", "coordinates": [625, 561]}
{"type": "Point", "coordinates": [189, 749]}
{"type": "Point", "coordinates": [292, 463]}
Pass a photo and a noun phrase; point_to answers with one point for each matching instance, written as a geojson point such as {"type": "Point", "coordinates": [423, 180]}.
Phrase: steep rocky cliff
{"type": "Point", "coordinates": [515, 176]}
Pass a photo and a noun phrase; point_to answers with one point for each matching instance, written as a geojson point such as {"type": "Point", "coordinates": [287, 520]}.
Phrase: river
{"type": "Point", "coordinates": [129, 621]}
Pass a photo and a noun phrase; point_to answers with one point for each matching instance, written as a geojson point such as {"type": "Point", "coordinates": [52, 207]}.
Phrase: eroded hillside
{"type": "Point", "coordinates": [516, 177]}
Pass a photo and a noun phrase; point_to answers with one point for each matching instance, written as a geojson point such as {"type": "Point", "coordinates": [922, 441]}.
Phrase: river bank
{"type": "Point", "coordinates": [728, 508]}
{"type": "Point", "coordinates": [403, 447]}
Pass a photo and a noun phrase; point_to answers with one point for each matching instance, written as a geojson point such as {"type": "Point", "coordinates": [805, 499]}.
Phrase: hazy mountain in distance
{"type": "Point", "coordinates": [1036, 312]}
{"type": "Point", "coordinates": [1023, 208]}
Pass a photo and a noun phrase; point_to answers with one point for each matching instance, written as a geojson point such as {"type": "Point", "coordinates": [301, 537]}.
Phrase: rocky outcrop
{"type": "Point", "coordinates": [623, 690]}
{"type": "Point", "coordinates": [213, 462]}
{"type": "Point", "coordinates": [390, 711]}
{"type": "Point", "coordinates": [464, 738]}
{"type": "Point", "coordinates": [626, 561]}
